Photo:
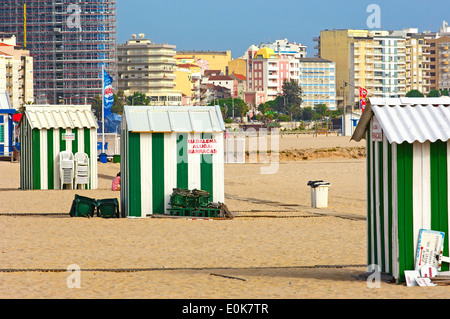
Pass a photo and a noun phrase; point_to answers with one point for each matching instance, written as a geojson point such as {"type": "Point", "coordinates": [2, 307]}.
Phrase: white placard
{"type": "Point", "coordinates": [429, 249]}
{"type": "Point", "coordinates": [377, 132]}
{"type": "Point", "coordinates": [202, 146]}
{"type": "Point", "coordinates": [68, 136]}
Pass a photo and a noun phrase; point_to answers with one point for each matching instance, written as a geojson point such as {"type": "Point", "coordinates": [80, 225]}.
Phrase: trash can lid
{"type": "Point", "coordinates": [315, 184]}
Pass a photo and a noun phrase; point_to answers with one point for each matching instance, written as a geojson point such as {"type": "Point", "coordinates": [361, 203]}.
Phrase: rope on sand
{"type": "Point", "coordinates": [117, 270]}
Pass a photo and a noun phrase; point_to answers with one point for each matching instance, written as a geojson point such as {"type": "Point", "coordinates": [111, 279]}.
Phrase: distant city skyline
{"type": "Point", "coordinates": [235, 25]}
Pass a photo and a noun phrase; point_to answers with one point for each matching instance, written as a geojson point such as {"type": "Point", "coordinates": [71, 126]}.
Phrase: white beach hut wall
{"type": "Point", "coordinates": [167, 147]}
{"type": "Point", "coordinates": [408, 177]}
{"type": "Point", "coordinates": [45, 131]}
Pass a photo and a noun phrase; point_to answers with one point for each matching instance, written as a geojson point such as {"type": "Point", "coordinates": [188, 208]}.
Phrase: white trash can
{"type": "Point", "coordinates": [319, 193]}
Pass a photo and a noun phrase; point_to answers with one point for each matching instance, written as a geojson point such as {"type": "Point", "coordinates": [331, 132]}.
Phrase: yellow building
{"type": "Point", "coordinates": [335, 45]}
{"type": "Point", "coordinates": [218, 60]}
{"type": "Point", "coordinates": [237, 66]}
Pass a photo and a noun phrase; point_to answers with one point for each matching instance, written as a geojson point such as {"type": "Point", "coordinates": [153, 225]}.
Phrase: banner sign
{"type": "Point", "coordinates": [108, 94]}
{"type": "Point", "coordinates": [362, 98]}
{"type": "Point", "coordinates": [429, 249]}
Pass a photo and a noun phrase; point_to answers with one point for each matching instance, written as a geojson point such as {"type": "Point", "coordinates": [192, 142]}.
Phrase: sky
{"type": "Point", "coordinates": [237, 24]}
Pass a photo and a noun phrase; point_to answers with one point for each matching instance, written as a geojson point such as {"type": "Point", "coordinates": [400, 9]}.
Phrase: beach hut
{"type": "Point", "coordinates": [167, 147]}
{"type": "Point", "coordinates": [6, 131]}
{"type": "Point", "coordinates": [47, 130]}
{"type": "Point", "coordinates": [408, 177]}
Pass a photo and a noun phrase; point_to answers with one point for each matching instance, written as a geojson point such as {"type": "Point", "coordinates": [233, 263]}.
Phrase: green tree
{"type": "Point", "coordinates": [138, 99]}
{"type": "Point", "coordinates": [444, 92]}
{"type": "Point", "coordinates": [292, 94]}
{"type": "Point", "coordinates": [96, 107]}
{"type": "Point", "coordinates": [307, 114]}
{"type": "Point", "coordinates": [266, 111]}
{"type": "Point", "coordinates": [321, 110]}
{"type": "Point", "coordinates": [414, 93]}
{"type": "Point", "coordinates": [119, 102]}
{"type": "Point", "coordinates": [434, 93]}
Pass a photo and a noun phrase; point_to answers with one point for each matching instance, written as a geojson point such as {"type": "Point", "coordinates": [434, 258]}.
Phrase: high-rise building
{"type": "Point", "coordinates": [69, 41]}
{"type": "Point", "coordinates": [317, 80]}
{"type": "Point", "coordinates": [16, 72]}
{"type": "Point", "coordinates": [148, 68]}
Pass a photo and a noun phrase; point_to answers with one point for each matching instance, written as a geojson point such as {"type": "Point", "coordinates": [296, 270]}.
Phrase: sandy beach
{"type": "Point", "coordinates": [276, 247]}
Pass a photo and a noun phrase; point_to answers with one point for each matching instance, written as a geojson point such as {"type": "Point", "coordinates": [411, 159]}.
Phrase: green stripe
{"type": "Point", "coordinates": [206, 169]}
{"type": "Point", "coordinates": [405, 211]}
{"type": "Point", "coordinates": [134, 181]}
{"type": "Point", "coordinates": [369, 202]}
{"type": "Point", "coordinates": [374, 211]}
{"type": "Point", "coordinates": [158, 173]}
{"type": "Point", "coordinates": [50, 160]}
{"type": "Point", "coordinates": [389, 165]}
{"type": "Point", "coordinates": [87, 150]}
{"type": "Point", "coordinates": [182, 161]}
{"type": "Point", "coordinates": [439, 195]}
{"type": "Point", "coordinates": [62, 142]}
{"type": "Point", "coordinates": [36, 159]}
{"type": "Point", "coordinates": [75, 142]}
{"type": "Point", "coordinates": [381, 196]}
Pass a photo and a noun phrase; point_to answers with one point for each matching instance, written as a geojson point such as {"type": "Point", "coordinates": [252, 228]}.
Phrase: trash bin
{"type": "Point", "coordinates": [103, 158]}
{"type": "Point", "coordinates": [116, 158]}
{"type": "Point", "coordinates": [319, 193]}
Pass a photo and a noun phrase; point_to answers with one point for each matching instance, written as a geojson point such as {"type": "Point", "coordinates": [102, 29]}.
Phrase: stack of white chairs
{"type": "Point", "coordinates": [66, 168]}
{"type": "Point", "coordinates": [81, 169]}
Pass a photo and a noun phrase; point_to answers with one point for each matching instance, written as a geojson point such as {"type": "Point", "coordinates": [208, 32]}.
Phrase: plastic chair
{"type": "Point", "coordinates": [83, 207]}
{"type": "Point", "coordinates": [108, 208]}
{"type": "Point", "coordinates": [81, 169]}
{"type": "Point", "coordinates": [66, 168]}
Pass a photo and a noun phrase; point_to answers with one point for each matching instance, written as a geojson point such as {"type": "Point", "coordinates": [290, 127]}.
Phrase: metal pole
{"type": "Point", "coordinates": [103, 108]}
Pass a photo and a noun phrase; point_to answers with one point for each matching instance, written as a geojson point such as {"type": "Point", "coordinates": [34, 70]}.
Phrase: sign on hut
{"type": "Point", "coordinates": [408, 177]}
{"type": "Point", "coordinates": [47, 133]}
{"type": "Point", "coordinates": [166, 147]}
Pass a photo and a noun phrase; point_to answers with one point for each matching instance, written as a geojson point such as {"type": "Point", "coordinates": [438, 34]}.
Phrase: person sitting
{"type": "Point", "coordinates": [116, 183]}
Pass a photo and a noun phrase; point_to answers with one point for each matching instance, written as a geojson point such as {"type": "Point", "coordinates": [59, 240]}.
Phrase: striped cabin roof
{"type": "Point", "coordinates": [408, 119]}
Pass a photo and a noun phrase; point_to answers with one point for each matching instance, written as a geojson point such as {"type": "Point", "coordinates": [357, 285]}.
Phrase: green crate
{"type": "Point", "coordinates": [108, 208]}
{"type": "Point", "coordinates": [83, 206]}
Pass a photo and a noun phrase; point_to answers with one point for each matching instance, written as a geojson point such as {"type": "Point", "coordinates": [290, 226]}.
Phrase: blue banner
{"type": "Point", "coordinates": [108, 94]}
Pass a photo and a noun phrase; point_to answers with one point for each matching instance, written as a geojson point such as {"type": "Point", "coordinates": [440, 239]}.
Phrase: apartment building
{"type": "Point", "coordinates": [16, 72]}
{"type": "Point", "coordinates": [149, 68]}
{"type": "Point", "coordinates": [317, 80]}
{"type": "Point", "coordinates": [266, 72]}
{"type": "Point", "coordinates": [375, 60]}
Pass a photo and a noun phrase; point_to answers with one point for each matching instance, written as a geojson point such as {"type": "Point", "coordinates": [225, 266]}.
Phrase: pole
{"type": "Point", "coordinates": [103, 108]}
{"type": "Point", "coordinates": [25, 25]}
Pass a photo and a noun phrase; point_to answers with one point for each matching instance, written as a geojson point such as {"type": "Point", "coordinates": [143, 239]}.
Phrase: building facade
{"type": "Point", "coordinates": [148, 68]}
{"type": "Point", "coordinates": [266, 72]}
{"type": "Point", "coordinates": [16, 72]}
{"type": "Point", "coordinates": [317, 80]}
{"type": "Point", "coordinates": [69, 43]}
{"type": "Point", "coordinates": [217, 60]}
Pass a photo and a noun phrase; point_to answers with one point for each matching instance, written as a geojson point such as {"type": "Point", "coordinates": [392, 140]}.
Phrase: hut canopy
{"type": "Point", "coordinates": [408, 119]}
{"type": "Point", "coordinates": [167, 119]}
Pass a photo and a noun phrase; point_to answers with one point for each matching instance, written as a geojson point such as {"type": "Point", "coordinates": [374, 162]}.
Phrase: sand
{"type": "Point", "coordinates": [276, 247]}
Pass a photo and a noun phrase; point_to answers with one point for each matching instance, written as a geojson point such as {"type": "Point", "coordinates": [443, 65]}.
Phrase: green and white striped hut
{"type": "Point", "coordinates": [408, 177]}
{"type": "Point", "coordinates": [45, 131]}
{"type": "Point", "coordinates": [167, 147]}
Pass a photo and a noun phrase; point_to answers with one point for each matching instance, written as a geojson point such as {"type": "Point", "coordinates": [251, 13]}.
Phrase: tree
{"type": "Point", "coordinates": [96, 106]}
{"type": "Point", "coordinates": [444, 92]}
{"type": "Point", "coordinates": [266, 111]}
{"type": "Point", "coordinates": [321, 110]}
{"type": "Point", "coordinates": [434, 93]}
{"type": "Point", "coordinates": [414, 93]}
{"type": "Point", "coordinates": [138, 99]}
{"type": "Point", "coordinates": [292, 94]}
{"type": "Point", "coordinates": [119, 102]}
